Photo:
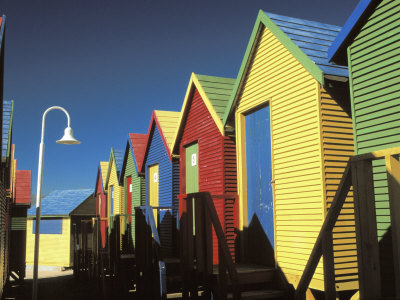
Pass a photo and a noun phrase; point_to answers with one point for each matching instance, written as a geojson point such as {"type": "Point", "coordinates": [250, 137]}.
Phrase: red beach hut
{"type": "Point", "coordinates": [207, 154]}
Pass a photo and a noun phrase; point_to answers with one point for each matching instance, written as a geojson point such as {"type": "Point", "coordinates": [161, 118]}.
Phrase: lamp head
{"type": "Point", "coordinates": [68, 138]}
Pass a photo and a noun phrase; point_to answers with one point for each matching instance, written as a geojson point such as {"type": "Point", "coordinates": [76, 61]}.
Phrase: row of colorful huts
{"type": "Point", "coordinates": [275, 142]}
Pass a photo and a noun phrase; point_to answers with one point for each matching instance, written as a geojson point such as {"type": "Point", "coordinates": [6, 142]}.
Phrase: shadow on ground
{"type": "Point", "coordinates": [60, 287]}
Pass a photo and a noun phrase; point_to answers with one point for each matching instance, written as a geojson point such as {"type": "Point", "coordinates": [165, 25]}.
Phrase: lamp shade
{"type": "Point", "coordinates": [68, 138]}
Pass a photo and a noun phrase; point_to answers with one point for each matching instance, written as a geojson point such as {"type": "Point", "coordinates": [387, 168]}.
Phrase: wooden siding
{"type": "Point", "coordinates": [22, 187]}
{"type": "Point", "coordinates": [118, 190]}
{"type": "Point", "coordinates": [337, 147]}
{"type": "Point", "coordinates": [100, 192]}
{"type": "Point", "coordinates": [374, 63]}
{"type": "Point", "coordinates": [54, 249]}
{"type": "Point", "coordinates": [276, 78]}
{"type": "Point", "coordinates": [137, 187]}
{"type": "Point", "coordinates": [375, 80]}
{"type": "Point", "coordinates": [157, 153]}
{"type": "Point", "coordinates": [217, 173]}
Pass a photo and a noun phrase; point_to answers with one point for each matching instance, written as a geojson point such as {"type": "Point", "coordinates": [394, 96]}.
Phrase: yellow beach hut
{"type": "Point", "coordinates": [56, 240]}
{"type": "Point", "coordinates": [290, 113]}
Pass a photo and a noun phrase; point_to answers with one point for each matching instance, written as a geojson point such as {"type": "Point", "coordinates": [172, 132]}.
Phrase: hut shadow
{"type": "Point", "coordinates": [255, 246]}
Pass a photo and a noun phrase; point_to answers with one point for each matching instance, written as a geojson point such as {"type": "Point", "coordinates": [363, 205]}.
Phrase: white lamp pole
{"type": "Point", "coordinates": [67, 139]}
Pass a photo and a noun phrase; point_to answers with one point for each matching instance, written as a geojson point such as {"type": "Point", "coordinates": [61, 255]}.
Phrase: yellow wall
{"type": "Point", "coordinates": [54, 249]}
{"type": "Point", "coordinates": [118, 207]}
{"type": "Point", "coordinates": [338, 145]}
{"type": "Point", "coordinates": [275, 78]}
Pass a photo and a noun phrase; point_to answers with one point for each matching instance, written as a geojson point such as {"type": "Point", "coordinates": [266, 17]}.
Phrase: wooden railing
{"type": "Point", "coordinates": [196, 250]}
{"type": "Point", "coordinates": [151, 282]}
{"type": "Point", "coordinates": [359, 173]}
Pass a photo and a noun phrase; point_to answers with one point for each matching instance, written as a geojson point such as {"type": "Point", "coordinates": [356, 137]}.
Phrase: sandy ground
{"type": "Point", "coordinates": [54, 285]}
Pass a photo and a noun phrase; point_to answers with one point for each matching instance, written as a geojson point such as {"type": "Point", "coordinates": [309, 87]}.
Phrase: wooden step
{"type": "Point", "coordinates": [250, 273]}
{"type": "Point", "coordinates": [261, 294]}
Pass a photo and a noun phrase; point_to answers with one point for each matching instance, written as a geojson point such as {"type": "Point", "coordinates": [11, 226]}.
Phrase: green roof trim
{"type": "Point", "coordinates": [218, 90]}
{"type": "Point", "coordinates": [308, 64]}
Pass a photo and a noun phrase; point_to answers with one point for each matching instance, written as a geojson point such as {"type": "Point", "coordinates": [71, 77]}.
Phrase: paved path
{"type": "Point", "coordinates": [53, 285]}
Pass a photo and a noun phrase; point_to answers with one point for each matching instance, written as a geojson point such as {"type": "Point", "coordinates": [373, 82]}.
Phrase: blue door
{"type": "Point", "coordinates": [259, 173]}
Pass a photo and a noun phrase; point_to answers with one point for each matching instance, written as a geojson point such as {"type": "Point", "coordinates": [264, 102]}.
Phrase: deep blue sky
{"type": "Point", "coordinates": [110, 63]}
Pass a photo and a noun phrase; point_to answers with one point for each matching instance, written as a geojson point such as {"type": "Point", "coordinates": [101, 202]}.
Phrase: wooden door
{"type": "Point", "coordinates": [192, 168]}
{"type": "Point", "coordinates": [260, 211]}
{"type": "Point", "coordinates": [153, 181]}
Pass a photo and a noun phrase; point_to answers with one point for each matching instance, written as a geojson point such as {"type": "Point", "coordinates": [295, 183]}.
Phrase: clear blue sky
{"type": "Point", "coordinates": [110, 63]}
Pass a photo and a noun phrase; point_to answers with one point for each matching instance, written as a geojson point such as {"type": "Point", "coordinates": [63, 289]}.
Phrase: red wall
{"type": "Point", "coordinates": [22, 186]}
{"type": "Point", "coordinates": [217, 165]}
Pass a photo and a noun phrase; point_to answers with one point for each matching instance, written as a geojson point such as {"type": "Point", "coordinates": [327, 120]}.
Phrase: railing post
{"type": "Point", "coordinates": [393, 173]}
{"type": "Point", "coordinates": [366, 230]}
{"type": "Point", "coordinates": [329, 266]}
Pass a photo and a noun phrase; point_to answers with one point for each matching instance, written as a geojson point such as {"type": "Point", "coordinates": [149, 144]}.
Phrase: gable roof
{"type": "Point", "coordinates": [167, 123]}
{"type": "Point", "coordinates": [2, 30]}
{"type": "Point", "coordinates": [308, 42]}
{"type": "Point", "coordinates": [338, 50]}
{"type": "Point", "coordinates": [61, 202]}
{"type": "Point", "coordinates": [137, 144]}
{"type": "Point", "coordinates": [117, 157]}
{"type": "Point", "coordinates": [22, 187]}
{"type": "Point", "coordinates": [215, 92]}
{"type": "Point", "coordinates": [101, 174]}
{"type": "Point", "coordinates": [8, 108]}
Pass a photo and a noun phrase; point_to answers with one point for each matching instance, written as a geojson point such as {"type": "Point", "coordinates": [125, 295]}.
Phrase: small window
{"type": "Point", "coordinates": [130, 188]}
{"type": "Point", "coordinates": [48, 226]}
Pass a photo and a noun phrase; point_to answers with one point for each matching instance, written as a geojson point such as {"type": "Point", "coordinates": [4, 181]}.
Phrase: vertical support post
{"type": "Point", "coordinates": [366, 230]}
{"type": "Point", "coordinates": [189, 246]}
{"type": "Point", "coordinates": [393, 172]}
{"type": "Point", "coordinates": [209, 252]}
{"type": "Point", "coordinates": [329, 266]}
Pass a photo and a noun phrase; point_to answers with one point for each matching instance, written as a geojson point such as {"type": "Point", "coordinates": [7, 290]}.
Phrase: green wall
{"type": "Point", "coordinates": [138, 188]}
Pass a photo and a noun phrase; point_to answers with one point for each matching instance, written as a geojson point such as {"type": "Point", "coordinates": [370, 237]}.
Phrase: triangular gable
{"type": "Point", "coordinates": [116, 157]}
{"type": "Point", "coordinates": [338, 50]}
{"type": "Point", "coordinates": [215, 92]}
{"type": "Point", "coordinates": [308, 42]}
{"type": "Point", "coordinates": [101, 175]}
{"type": "Point", "coordinates": [137, 145]}
{"type": "Point", "coordinates": [167, 123]}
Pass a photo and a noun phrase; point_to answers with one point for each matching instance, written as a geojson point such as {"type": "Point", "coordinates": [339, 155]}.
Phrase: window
{"type": "Point", "coordinates": [53, 226]}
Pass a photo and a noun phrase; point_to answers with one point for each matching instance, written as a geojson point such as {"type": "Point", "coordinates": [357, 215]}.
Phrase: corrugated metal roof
{"type": "Point", "coordinates": [119, 159]}
{"type": "Point", "coordinates": [61, 202]}
{"type": "Point", "coordinates": [218, 90]}
{"type": "Point", "coordinates": [338, 50]}
{"type": "Point", "coordinates": [138, 144]}
{"type": "Point", "coordinates": [168, 121]}
{"type": "Point", "coordinates": [7, 127]}
{"type": "Point", "coordinates": [313, 38]}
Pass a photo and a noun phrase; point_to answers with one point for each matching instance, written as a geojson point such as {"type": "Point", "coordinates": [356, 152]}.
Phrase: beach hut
{"type": "Point", "coordinates": [101, 200]}
{"type": "Point", "coordinates": [21, 204]}
{"type": "Point", "coordinates": [132, 179]}
{"type": "Point", "coordinates": [56, 241]}
{"type": "Point", "coordinates": [369, 45]}
{"type": "Point", "coordinates": [162, 174]}
{"type": "Point", "coordinates": [293, 139]}
{"type": "Point", "coordinates": [114, 190]}
{"type": "Point", "coordinates": [207, 155]}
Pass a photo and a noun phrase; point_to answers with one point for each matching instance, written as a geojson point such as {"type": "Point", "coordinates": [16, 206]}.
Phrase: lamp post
{"type": "Point", "coordinates": [67, 139]}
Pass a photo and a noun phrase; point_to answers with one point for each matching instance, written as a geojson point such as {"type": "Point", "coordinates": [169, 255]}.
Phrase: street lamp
{"type": "Point", "coordinates": [67, 139]}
